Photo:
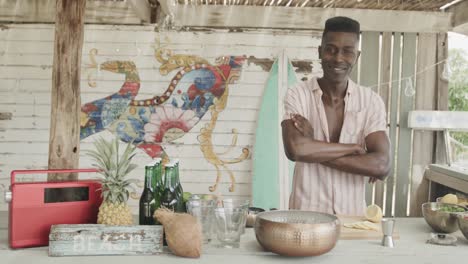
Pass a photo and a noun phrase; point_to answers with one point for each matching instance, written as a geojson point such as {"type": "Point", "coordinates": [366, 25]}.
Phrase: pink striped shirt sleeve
{"type": "Point", "coordinates": [377, 120]}
{"type": "Point", "coordinates": [291, 102]}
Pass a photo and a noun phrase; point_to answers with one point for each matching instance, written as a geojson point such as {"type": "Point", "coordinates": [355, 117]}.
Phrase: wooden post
{"type": "Point", "coordinates": [64, 139]}
{"type": "Point", "coordinates": [423, 141]}
{"type": "Point", "coordinates": [442, 94]}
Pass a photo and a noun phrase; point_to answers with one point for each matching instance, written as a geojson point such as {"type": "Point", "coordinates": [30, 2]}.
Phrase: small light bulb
{"type": "Point", "coordinates": [409, 89]}
{"type": "Point", "coordinates": [446, 72]}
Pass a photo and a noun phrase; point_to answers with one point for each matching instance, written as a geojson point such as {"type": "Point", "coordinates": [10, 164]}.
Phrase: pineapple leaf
{"type": "Point", "coordinates": [113, 168]}
{"type": "Point", "coordinates": [125, 195]}
{"type": "Point", "coordinates": [130, 168]}
{"type": "Point", "coordinates": [102, 148]}
{"type": "Point", "coordinates": [127, 157]}
{"type": "Point", "coordinates": [101, 162]}
{"type": "Point", "coordinates": [134, 181]}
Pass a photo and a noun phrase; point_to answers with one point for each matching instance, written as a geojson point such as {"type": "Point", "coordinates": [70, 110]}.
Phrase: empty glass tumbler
{"type": "Point", "coordinates": [229, 223]}
{"type": "Point", "coordinates": [203, 210]}
{"type": "Point", "coordinates": [237, 203]}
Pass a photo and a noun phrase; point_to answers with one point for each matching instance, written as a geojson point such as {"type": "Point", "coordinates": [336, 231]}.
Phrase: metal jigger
{"type": "Point", "coordinates": [387, 229]}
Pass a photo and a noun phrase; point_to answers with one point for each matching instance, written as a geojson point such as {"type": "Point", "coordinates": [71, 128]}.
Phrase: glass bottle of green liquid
{"type": "Point", "coordinates": [179, 190]}
{"type": "Point", "coordinates": [147, 203]}
{"type": "Point", "coordinates": [158, 184]}
{"type": "Point", "coordinates": [169, 197]}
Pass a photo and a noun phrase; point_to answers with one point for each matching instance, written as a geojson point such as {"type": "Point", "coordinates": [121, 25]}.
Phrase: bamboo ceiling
{"type": "Point", "coordinates": [413, 5]}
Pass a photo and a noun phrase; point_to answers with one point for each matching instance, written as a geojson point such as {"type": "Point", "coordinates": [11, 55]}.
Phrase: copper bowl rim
{"type": "Point", "coordinates": [439, 203]}
{"type": "Point", "coordinates": [426, 205]}
{"type": "Point", "coordinates": [261, 215]}
{"type": "Point", "coordinates": [462, 216]}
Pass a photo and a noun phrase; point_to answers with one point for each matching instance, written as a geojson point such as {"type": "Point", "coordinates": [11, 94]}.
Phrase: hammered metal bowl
{"type": "Point", "coordinates": [297, 233]}
{"type": "Point", "coordinates": [252, 215]}
{"type": "Point", "coordinates": [440, 221]}
{"type": "Point", "coordinates": [463, 223]}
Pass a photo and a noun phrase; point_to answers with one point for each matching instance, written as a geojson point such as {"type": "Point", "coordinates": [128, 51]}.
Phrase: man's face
{"type": "Point", "coordinates": [339, 53]}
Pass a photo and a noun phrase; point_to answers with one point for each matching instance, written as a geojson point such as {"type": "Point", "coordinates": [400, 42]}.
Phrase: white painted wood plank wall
{"type": "Point", "coordinates": [26, 53]}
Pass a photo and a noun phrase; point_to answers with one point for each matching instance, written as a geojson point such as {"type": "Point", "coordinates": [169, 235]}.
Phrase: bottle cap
{"type": "Point", "coordinates": [169, 165]}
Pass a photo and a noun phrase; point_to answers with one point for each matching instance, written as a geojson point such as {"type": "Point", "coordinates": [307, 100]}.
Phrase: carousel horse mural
{"type": "Point", "coordinates": [195, 89]}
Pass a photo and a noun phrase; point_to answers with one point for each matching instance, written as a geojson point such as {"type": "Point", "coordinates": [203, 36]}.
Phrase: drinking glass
{"type": "Point", "coordinates": [228, 225]}
{"type": "Point", "coordinates": [237, 203]}
{"type": "Point", "coordinates": [203, 210]}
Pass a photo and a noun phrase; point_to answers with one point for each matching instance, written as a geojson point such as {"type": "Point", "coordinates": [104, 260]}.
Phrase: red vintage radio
{"type": "Point", "coordinates": [35, 206]}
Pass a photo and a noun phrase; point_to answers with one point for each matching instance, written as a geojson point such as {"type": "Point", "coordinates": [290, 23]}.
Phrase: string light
{"type": "Point", "coordinates": [408, 81]}
{"type": "Point", "coordinates": [409, 89]}
{"type": "Point", "coordinates": [446, 72]}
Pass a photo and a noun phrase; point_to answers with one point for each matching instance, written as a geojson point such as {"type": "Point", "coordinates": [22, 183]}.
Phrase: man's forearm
{"type": "Point", "coordinates": [315, 151]}
{"type": "Point", "coordinates": [371, 164]}
{"type": "Point", "coordinates": [306, 149]}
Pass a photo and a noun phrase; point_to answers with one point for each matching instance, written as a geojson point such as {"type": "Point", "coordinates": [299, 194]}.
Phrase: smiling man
{"type": "Point", "coordinates": [335, 130]}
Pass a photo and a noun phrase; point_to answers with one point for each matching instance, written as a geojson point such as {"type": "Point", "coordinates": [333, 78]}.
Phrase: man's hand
{"type": "Point", "coordinates": [359, 150]}
{"type": "Point", "coordinates": [372, 180]}
{"type": "Point", "coordinates": [299, 147]}
{"type": "Point", "coordinates": [303, 125]}
{"type": "Point", "coordinates": [375, 163]}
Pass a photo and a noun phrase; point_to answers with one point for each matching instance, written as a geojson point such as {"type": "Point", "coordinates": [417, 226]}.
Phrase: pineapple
{"type": "Point", "coordinates": [113, 168]}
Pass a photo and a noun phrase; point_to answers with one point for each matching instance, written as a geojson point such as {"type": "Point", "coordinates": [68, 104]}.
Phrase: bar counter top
{"type": "Point", "coordinates": [411, 247]}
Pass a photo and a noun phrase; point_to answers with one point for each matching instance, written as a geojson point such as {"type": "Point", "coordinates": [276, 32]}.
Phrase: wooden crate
{"type": "Point", "coordinates": [91, 240]}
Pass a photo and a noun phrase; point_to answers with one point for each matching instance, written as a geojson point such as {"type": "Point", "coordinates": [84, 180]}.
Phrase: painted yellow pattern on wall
{"type": "Point", "coordinates": [195, 89]}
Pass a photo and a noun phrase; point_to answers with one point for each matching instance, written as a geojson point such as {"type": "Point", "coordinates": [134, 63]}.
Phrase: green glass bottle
{"type": "Point", "coordinates": [147, 203]}
{"type": "Point", "coordinates": [157, 181]}
{"type": "Point", "coordinates": [169, 198]}
{"type": "Point", "coordinates": [179, 190]}
{"type": "Point", "coordinates": [158, 184]}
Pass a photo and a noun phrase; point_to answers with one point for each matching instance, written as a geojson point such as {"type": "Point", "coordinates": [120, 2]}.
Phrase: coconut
{"type": "Point", "coordinates": [183, 232]}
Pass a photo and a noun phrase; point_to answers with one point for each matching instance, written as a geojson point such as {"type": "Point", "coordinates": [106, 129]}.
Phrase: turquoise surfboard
{"type": "Point", "coordinates": [265, 182]}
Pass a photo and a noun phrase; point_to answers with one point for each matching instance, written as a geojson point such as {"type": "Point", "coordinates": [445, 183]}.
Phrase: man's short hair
{"type": "Point", "coordinates": [341, 24]}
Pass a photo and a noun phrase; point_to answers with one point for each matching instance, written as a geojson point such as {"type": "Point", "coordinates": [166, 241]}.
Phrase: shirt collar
{"type": "Point", "coordinates": [351, 86]}
{"type": "Point", "coordinates": [349, 90]}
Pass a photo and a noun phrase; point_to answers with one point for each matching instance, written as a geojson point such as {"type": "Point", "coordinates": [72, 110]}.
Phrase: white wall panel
{"type": "Point", "coordinates": [26, 53]}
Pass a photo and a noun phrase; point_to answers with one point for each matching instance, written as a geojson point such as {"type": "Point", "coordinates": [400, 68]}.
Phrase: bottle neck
{"type": "Point", "coordinates": [176, 172]}
{"type": "Point", "coordinates": [148, 176]}
{"type": "Point", "coordinates": [169, 177]}
{"type": "Point", "coordinates": [157, 174]}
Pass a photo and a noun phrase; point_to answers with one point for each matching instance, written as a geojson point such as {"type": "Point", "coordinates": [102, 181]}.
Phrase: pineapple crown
{"type": "Point", "coordinates": [113, 168]}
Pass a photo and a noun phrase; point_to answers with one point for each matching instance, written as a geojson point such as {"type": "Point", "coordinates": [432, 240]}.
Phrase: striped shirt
{"type": "Point", "coordinates": [315, 186]}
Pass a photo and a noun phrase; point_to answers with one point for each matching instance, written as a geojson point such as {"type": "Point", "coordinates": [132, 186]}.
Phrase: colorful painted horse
{"type": "Point", "coordinates": [199, 87]}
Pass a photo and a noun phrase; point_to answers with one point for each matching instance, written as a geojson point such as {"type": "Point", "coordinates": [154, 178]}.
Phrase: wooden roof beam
{"type": "Point", "coordinates": [460, 17]}
{"type": "Point", "coordinates": [97, 12]}
{"type": "Point", "coordinates": [310, 18]}
{"type": "Point", "coordinates": [142, 10]}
